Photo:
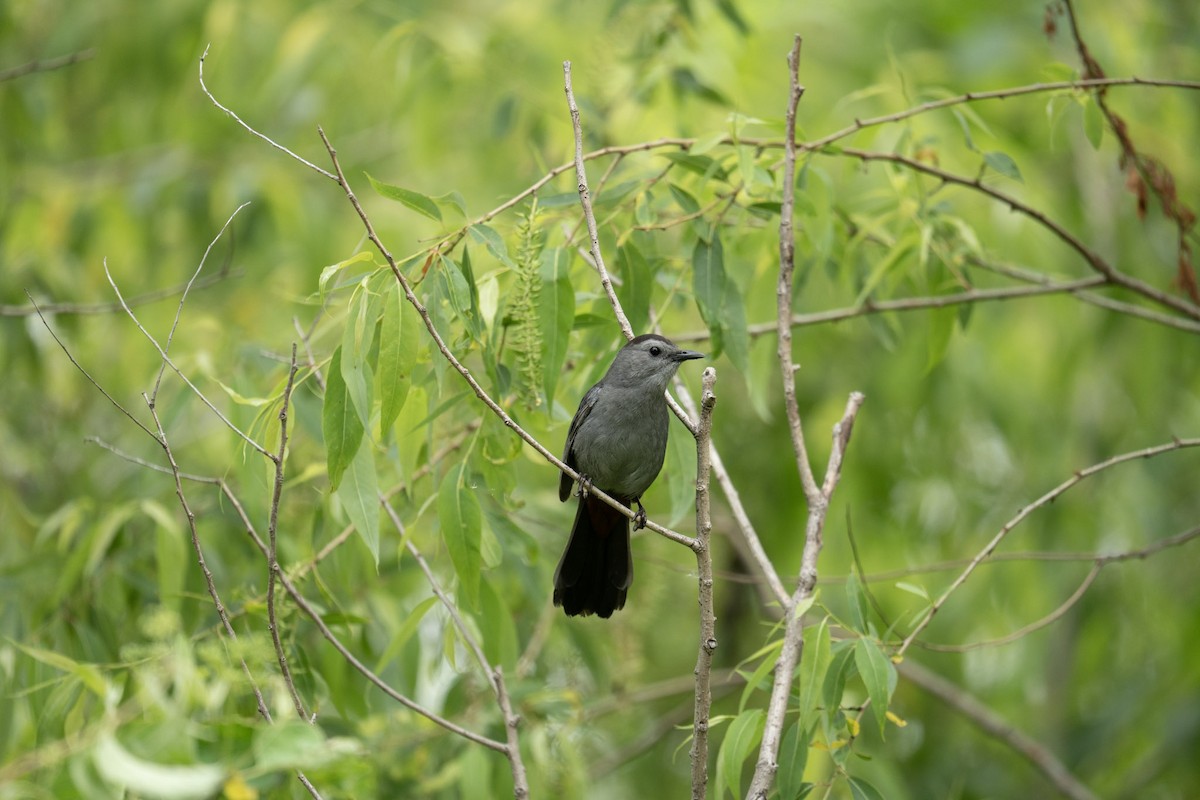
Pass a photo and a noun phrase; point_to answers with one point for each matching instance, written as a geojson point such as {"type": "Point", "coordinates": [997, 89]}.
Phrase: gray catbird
{"type": "Point", "coordinates": [616, 442]}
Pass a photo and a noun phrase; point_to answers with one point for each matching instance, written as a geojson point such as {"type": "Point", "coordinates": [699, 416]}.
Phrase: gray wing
{"type": "Point", "coordinates": [585, 407]}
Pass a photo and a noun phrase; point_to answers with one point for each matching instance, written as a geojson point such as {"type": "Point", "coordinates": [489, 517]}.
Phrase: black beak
{"type": "Point", "coordinates": [687, 355]}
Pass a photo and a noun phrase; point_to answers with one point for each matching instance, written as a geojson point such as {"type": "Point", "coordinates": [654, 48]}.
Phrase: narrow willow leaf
{"type": "Point", "coordinates": [743, 734]}
{"type": "Point", "coordinates": [686, 202]}
{"type": "Point", "coordinates": [793, 758]}
{"type": "Point", "coordinates": [941, 331]}
{"type": "Point", "coordinates": [356, 344]}
{"type": "Point", "coordinates": [704, 166]}
{"type": "Point", "coordinates": [340, 423]}
{"type": "Point", "coordinates": [856, 598]}
{"type": "Point", "coordinates": [874, 667]}
{"type": "Point", "coordinates": [759, 680]}
{"type": "Point", "coordinates": [708, 281]}
{"type": "Point", "coordinates": [412, 621]}
{"type": "Point", "coordinates": [493, 242]}
{"type": "Point", "coordinates": [841, 668]}
{"type": "Point", "coordinates": [397, 356]}
{"type": "Point", "coordinates": [681, 472]}
{"type": "Point", "coordinates": [422, 204]}
{"type": "Point", "coordinates": [359, 493]}
{"type": "Point", "coordinates": [737, 332]}
{"type": "Point", "coordinates": [556, 315]}
{"type": "Point", "coordinates": [637, 282]}
{"type": "Point", "coordinates": [462, 524]}
{"type": "Point", "coordinates": [501, 643]}
{"type": "Point", "coordinates": [861, 790]}
{"type": "Point", "coordinates": [1003, 163]}
{"type": "Point", "coordinates": [896, 255]}
{"type": "Point", "coordinates": [813, 668]}
{"type": "Point", "coordinates": [1093, 122]}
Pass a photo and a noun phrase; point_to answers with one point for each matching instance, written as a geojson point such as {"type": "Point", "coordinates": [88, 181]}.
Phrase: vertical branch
{"type": "Point", "coordinates": [586, 199]}
{"type": "Point", "coordinates": [272, 550]}
{"type": "Point", "coordinates": [708, 619]}
{"type": "Point", "coordinates": [787, 269]}
{"type": "Point", "coordinates": [817, 496]}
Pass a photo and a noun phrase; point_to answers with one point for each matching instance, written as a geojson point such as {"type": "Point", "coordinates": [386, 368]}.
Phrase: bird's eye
{"type": "Point", "coordinates": [656, 351]}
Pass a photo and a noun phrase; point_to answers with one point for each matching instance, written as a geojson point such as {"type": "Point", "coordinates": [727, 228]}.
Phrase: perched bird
{"type": "Point", "coordinates": [616, 442]}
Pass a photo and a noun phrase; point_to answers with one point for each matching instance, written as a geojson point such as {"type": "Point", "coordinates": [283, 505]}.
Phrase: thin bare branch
{"type": "Point", "coordinates": [704, 576]}
{"type": "Point", "coordinates": [787, 270]}
{"type": "Point", "coordinates": [45, 65]}
{"type": "Point", "coordinates": [265, 138]}
{"type": "Point", "coordinates": [1093, 259]}
{"type": "Point", "coordinates": [87, 309]}
{"type": "Point", "coordinates": [273, 570]}
{"type": "Point", "coordinates": [997, 727]}
{"type": "Point", "coordinates": [228, 423]}
{"type": "Point", "coordinates": [998, 94]}
{"type": "Point", "coordinates": [183, 298]}
{"type": "Point", "coordinates": [586, 200]}
{"type": "Point", "coordinates": [91, 380]}
{"type": "Point", "coordinates": [1024, 513]}
{"type": "Point", "coordinates": [1024, 630]}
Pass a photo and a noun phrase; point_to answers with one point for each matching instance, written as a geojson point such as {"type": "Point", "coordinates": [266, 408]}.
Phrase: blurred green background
{"type": "Point", "coordinates": [971, 413]}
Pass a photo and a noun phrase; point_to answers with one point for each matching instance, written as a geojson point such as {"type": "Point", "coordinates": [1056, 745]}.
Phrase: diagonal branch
{"type": "Point", "coordinates": [1093, 259]}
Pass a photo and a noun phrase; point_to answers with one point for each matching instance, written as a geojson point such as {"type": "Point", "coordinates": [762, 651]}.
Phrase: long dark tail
{"type": "Point", "coordinates": [596, 569]}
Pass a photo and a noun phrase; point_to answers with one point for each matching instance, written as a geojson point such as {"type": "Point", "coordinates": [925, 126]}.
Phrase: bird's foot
{"type": "Point", "coordinates": [585, 486]}
{"type": "Point", "coordinates": [639, 519]}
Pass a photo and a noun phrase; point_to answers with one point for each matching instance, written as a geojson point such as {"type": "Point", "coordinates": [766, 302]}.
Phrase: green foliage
{"type": "Point", "coordinates": [118, 677]}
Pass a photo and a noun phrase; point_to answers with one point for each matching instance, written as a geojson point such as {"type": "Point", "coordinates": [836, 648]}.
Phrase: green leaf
{"type": "Point", "coordinates": [681, 474]}
{"type": "Point", "coordinates": [422, 204]}
{"type": "Point", "coordinates": [637, 284]}
{"type": "Point", "coordinates": [340, 423]}
{"type": "Point", "coordinates": [501, 644]}
{"type": "Point", "coordinates": [708, 282]}
{"type": "Point", "coordinates": [685, 200]}
{"type": "Point", "coordinates": [613, 194]}
{"type": "Point", "coordinates": [900, 249]}
{"type": "Point", "coordinates": [359, 493]}
{"type": "Point", "coordinates": [743, 734]}
{"type": "Point", "coordinates": [462, 299]}
{"type": "Point", "coordinates": [356, 344]}
{"type": "Point", "coordinates": [1003, 163]}
{"type": "Point", "coordinates": [704, 166]}
{"type": "Point", "coordinates": [289, 744]}
{"type": "Point", "coordinates": [398, 334]}
{"type": "Point", "coordinates": [333, 269]}
{"type": "Point", "coordinates": [857, 600]}
{"type": "Point", "coordinates": [758, 679]}
{"type": "Point", "coordinates": [453, 200]}
{"type": "Point", "coordinates": [733, 323]}
{"type": "Point", "coordinates": [1093, 122]}
{"type": "Point", "coordinates": [813, 668]}
{"type": "Point", "coordinates": [793, 758]}
{"type": "Point", "coordinates": [493, 242]}
{"type": "Point", "coordinates": [556, 315]}
{"type": "Point", "coordinates": [87, 674]}
{"type": "Point", "coordinates": [875, 668]}
{"type": "Point", "coordinates": [170, 555]}
{"type": "Point", "coordinates": [861, 790]}
{"type": "Point", "coordinates": [941, 331]}
{"type": "Point", "coordinates": [841, 667]}
{"type": "Point", "coordinates": [139, 777]}
{"type": "Point", "coordinates": [412, 621]}
{"type": "Point", "coordinates": [462, 523]}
